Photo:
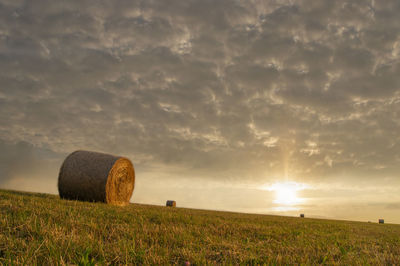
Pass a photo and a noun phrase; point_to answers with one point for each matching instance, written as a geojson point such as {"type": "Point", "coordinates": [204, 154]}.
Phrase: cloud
{"type": "Point", "coordinates": [227, 90]}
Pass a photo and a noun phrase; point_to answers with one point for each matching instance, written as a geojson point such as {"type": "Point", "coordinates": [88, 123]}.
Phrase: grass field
{"type": "Point", "coordinates": [42, 229]}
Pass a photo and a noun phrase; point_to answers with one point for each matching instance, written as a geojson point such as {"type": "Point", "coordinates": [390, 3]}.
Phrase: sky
{"type": "Point", "coordinates": [272, 107]}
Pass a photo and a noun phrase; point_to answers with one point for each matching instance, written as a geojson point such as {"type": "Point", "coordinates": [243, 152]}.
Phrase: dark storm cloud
{"type": "Point", "coordinates": [218, 89]}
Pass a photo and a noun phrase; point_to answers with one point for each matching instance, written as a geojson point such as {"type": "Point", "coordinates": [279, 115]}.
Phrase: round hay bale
{"type": "Point", "coordinates": [381, 221]}
{"type": "Point", "coordinates": [93, 176]}
{"type": "Point", "coordinates": [171, 203]}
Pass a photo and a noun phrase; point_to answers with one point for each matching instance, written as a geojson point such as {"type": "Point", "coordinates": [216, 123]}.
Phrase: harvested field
{"type": "Point", "coordinates": [42, 229]}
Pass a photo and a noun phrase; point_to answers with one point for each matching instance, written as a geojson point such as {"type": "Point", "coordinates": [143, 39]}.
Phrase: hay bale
{"type": "Point", "coordinates": [93, 176]}
{"type": "Point", "coordinates": [171, 203]}
{"type": "Point", "coordinates": [302, 215]}
{"type": "Point", "coordinates": [381, 221]}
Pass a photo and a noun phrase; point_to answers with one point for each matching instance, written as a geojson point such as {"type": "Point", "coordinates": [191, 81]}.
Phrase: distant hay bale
{"type": "Point", "coordinates": [93, 176]}
{"type": "Point", "coordinates": [381, 221]}
{"type": "Point", "coordinates": [171, 203]}
{"type": "Point", "coordinates": [302, 215]}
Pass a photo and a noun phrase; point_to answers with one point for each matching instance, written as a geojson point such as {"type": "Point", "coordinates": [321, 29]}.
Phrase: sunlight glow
{"type": "Point", "coordinates": [285, 195]}
{"type": "Point", "coordinates": [286, 192]}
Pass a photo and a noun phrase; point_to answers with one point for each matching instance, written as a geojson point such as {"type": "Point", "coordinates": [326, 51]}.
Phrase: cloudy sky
{"type": "Point", "coordinates": [275, 107]}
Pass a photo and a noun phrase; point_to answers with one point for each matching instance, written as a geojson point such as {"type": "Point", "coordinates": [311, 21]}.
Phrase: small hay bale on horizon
{"type": "Point", "coordinates": [170, 203]}
{"type": "Point", "coordinates": [302, 215]}
{"type": "Point", "coordinates": [96, 177]}
{"type": "Point", "coordinates": [381, 221]}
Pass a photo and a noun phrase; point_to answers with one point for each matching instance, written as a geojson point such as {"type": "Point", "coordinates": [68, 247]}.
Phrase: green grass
{"type": "Point", "coordinates": [42, 229]}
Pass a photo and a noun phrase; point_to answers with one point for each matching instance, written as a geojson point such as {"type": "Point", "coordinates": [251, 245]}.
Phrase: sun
{"type": "Point", "coordinates": [286, 192]}
{"type": "Point", "coordinates": [285, 195]}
